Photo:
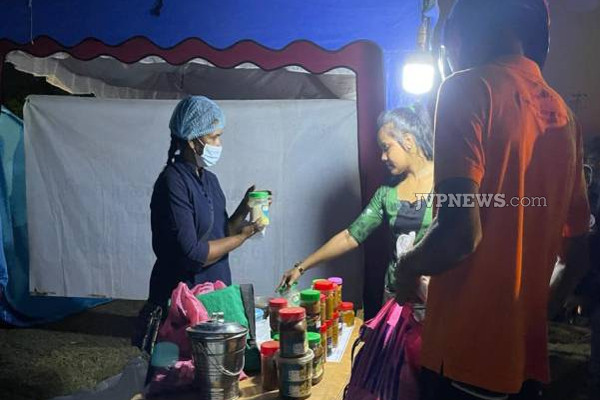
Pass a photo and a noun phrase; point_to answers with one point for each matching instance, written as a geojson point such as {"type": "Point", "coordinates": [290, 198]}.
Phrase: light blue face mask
{"type": "Point", "coordinates": [210, 156]}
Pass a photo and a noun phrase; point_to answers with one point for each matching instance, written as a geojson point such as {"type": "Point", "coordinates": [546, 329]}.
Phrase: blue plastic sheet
{"type": "Point", "coordinates": [17, 306]}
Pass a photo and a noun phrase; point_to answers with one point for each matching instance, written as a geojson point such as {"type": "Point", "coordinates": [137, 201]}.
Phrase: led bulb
{"type": "Point", "coordinates": [418, 74]}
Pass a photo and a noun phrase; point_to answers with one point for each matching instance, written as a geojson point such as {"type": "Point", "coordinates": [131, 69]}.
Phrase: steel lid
{"type": "Point", "coordinates": [216, 329]}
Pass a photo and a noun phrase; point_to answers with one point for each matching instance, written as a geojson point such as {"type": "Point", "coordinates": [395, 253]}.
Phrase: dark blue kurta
{"type": "Point", "coordinates": [182, 208]}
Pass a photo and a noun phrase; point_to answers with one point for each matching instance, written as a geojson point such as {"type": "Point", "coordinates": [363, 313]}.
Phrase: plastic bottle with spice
{"type": "Point", "coordinates": [326, 288]}
{"type": "Point", "coordinates": [274, 306]}
{"type": "Point", "coordinates": [329, 338]}
{"type": "Point", "coordinates": [335, 329]}
{"type": "Point", "coordinates": [338, 289]}
{"type": "Point", "coordinates": [292, 332]}
{"type": "Point", "coordinates": [268, 364]}
{"type": "Point", "coordinates": [335, 299]}
{"type": "Point", "coordinates": [348, 314]}
{"type": "Point", "coordinates": [295, 376]}
{"type": "Point", "coordinates": [310, 300]}
{"type": "Point", "coordinates": [323, 299]}
{"type": "Point", "coordinates": [323, 332]}
{"type": "Point", "coordinates": [314, 343]}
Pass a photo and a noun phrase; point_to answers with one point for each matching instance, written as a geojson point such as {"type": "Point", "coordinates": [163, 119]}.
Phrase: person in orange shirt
{"type": "Point", "coordinates": [510, 200]}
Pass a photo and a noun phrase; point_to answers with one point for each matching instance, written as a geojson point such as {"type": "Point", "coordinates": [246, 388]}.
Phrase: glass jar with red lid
{"type": "Point", "coordinates": [274, 306]}
{"type": "Point", "coordinates": [292, 332]}
{"type": "Point", "coordinates": [347, 311]}
{"type": "Point", "coordinates": [268, 350]}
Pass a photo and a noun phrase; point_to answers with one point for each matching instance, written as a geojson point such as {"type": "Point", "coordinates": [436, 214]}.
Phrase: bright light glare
{"type": "Point", "coordinates": [417, 78]}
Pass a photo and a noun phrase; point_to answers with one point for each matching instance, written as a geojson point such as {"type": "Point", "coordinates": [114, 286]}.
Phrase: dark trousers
{"type": "Point", "coordinates": [437, 387]}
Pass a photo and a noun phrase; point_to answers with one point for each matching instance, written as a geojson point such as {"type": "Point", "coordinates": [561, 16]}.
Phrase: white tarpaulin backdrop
{"type": "Point", "coordinates": [91, 165]}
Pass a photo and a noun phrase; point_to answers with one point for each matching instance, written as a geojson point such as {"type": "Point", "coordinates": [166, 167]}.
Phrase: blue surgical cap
{"type": "Point", "coordinates": [196, 116]}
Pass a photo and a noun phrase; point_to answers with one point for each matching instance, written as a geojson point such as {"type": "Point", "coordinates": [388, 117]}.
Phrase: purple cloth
{"type": "Point", "coordinates": [387, 366]}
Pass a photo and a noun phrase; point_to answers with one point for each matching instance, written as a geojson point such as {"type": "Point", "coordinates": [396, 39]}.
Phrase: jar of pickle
{"type": "Point", "coordinates": [323, 331]}
{"type": "Point", "coordinates": [314, 343]}
{"type": "Point", "coordinates": [329, 338]}
{"type": "Point", "coordinates": [292, 332]}
{"type": "Point", "coordinates": [347, 311]}
{"type": "Point", "coordinates": [274, 306]}
{"type": "Point", "coordinates": [335, 299]}
{"type": "Point", "coordinates": [295, 376]}
{"type": "Point", "coordinates": [336, 329]}
{"type": "Point", "coordinates": [338, 290]}
{"type": "Point", "coordinates": [310, 300]}
{"type": "Point", "coordinates": [268, 365]}
{"type": "Point", "coordinates": [323, 299]}
{"type": "Point", "coordinates": [326, 288]}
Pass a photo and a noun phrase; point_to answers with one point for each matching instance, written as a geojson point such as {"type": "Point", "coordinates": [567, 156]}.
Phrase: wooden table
{"type": "Point", "coordinates": [330, 388]}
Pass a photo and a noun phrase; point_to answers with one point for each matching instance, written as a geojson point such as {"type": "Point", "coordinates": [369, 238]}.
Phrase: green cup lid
{"type": "Point", "coordinates": [258, 195]}
{"type": "Point", "coordinates": [310, 295]}
{"type": "Point", "coordinates": [275, 337]}
{"type": "Point", "coordinates": [313, 338]}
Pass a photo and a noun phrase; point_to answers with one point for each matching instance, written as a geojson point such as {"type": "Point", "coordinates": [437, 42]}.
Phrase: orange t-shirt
{"type": "Point", "coordinates": [503, 127]}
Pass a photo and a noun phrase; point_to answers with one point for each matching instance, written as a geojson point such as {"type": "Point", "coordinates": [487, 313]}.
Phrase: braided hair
{"type": "Point", "coordinates": [177, 145]}
{"type": "Point", "coordinates": [173, 147]}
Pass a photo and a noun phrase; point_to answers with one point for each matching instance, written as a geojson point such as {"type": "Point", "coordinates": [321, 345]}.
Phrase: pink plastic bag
{"type": "Point", "coordinates": [387, 366]}
{"type": "Point", "coordinates": [185, 311]}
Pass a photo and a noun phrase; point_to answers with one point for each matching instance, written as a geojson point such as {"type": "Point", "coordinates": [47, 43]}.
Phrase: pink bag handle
{"type": "Point", "coordinates": [381, 315]}
{"type": "Point", "coordinates": [391, 313]}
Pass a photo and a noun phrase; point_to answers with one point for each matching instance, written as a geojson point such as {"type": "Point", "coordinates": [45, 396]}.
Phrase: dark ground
{"type": "Point", "coordinates": [82, 350]}
{"type": "Point", "coordinates": [63, 357]}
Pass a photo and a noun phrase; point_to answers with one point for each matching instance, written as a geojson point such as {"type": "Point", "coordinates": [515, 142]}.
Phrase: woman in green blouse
{"type": "Point", "coordinates": [405, 138]}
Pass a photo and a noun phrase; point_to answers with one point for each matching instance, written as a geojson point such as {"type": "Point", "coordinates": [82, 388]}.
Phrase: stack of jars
{"type": "Point", "coordinates": [295, 358]}
{"type": "Point", "coordinates": [310, 300]}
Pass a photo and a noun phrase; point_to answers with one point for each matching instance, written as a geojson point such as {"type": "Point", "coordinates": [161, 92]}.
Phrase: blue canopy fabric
{"type": "Point", "coordinates": [331, 24]}
{"type": "Point", "coordinates": [17, 306]}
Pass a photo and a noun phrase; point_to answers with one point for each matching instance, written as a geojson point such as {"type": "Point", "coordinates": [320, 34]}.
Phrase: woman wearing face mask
{"type": "Point", "coordinates": [405, 139]}
{"type": "Point", "coordinates": [192, 234]}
